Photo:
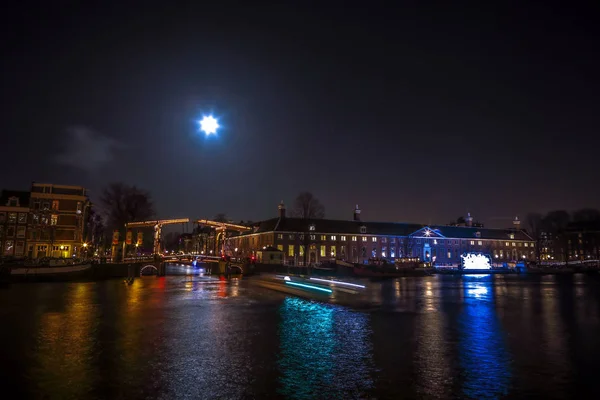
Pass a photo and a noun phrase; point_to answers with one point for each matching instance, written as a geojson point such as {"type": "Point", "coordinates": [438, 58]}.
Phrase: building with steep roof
{"type": "Point", "coordinates": [318, 240]}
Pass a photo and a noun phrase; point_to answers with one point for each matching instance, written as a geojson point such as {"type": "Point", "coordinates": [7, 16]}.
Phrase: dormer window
{"type": "Point", "coordinates": [311, 227]}
{"type": "Point", "coordinates": [478, 234]}
{"type": "Point", "coordinates": [13, 202]}
{"type": "Point", "coordinates": [512, 235]}
{"type": "Point", "coordinates": [363, 229]}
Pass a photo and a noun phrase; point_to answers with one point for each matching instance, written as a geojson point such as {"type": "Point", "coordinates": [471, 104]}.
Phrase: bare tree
{"type": "Point", "coordinates": [123, 203]}
{"type": "Point", "coordinates": [586, 215]}
{"type": "Point", "coordinates": [221, 217]}
{"type": "Point", "coordinates": [555, 226]}
{"type": "Point", "coordinates": [534, 227]}
{"type": "Point", "coordinates": [95, 229]}
{"type": "Point", "coordinates": [307, 206]}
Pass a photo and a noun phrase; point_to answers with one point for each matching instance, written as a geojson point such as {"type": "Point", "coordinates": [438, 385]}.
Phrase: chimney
{"type": "Point", "coordinates": [281, 208]}
{"type": "Point", "coordinates": [469, 220]}
{"type": "Point", "coordinates": [517, 223]}
{"type": "Point", "coordinates": [357, 213]}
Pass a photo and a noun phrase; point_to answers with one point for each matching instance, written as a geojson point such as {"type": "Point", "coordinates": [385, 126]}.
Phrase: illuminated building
{"type": "Point", "coordinates": [318, 240]}
{"type": "Point", "coordinates": [57, 221]}
{"type": "Point", "coordinates": [14, 209]}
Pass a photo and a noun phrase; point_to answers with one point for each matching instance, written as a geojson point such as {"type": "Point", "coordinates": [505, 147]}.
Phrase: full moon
{"type": "Point", "coordinates": [209, 125]}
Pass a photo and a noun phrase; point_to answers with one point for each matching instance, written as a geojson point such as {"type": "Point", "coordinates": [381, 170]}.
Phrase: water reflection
{"type": "Point", "coordinates": [63, 345]}
{"type": "Point", "coordinates": [484, 358]}
{"type": "Point", "coordinates": [324, 351]}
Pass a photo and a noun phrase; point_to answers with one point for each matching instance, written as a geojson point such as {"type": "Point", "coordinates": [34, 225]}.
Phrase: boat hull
{"type": "Point", "coordinates": [49, 274]}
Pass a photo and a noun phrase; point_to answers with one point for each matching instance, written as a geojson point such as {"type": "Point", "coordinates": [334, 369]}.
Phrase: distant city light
{"type": "Point", "coordinates": [209, 125]}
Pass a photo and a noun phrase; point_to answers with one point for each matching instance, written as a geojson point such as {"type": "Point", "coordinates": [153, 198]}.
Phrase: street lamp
{"type": "Point", "coordinates": [209, 125]}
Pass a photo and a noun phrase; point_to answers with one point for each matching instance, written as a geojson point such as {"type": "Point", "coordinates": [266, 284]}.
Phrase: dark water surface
{"type": "Point", "coordinates": [177, 337]}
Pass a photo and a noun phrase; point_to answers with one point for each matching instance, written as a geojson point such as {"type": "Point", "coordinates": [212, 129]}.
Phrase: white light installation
{"type": "Point", "coordinates": [475, 261]}
{"type": "Point", "coordinates": [209, 125]}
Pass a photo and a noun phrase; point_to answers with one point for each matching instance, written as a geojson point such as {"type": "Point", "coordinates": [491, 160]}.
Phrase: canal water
{"type": "Point", "coordinates": [182, 337]}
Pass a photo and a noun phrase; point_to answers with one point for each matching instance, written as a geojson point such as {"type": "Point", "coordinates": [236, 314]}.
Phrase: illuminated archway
{"type": "Point", "coordinates": [149, 266]}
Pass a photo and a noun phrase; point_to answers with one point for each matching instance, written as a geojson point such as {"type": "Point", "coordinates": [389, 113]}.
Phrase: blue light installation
{"type": "Point", "coordinates": [476, 261]}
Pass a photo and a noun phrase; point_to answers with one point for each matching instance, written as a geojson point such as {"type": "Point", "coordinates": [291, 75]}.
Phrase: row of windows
{"type": "Point", "coordinates": [10, 247]}
{"type": "Point", "coordinates": [392, 240]}
{"type": "Point", "coordinates": [21, 218]}
{"type": "Point", "coordinates": [333, 252]}
{"type": "Point", "coordinates": [11, 230]}
{"type": "Point", "coordinates": [13, 217]}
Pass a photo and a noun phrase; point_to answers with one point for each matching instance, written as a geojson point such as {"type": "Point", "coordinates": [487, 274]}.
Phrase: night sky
{"type": "Point", "coordinates": [419, 113]}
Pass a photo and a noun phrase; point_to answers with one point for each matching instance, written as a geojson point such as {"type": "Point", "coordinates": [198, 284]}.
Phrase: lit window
{"type": "Point", "coordinates": [291, 236]}
{"type": "Point", "coordinates": [12, 218]}
{"type": "Point", "coordinates": [472, 243]}
{"type": "Point", "coordinates": [507, 244]}
{"type": "Point", "coordinates": [311, 228]}
{"type": "Point", "coordinates": [291, 250]}
{"type": "Point", "coordinates": [449, 254]}
{"type": "Point", "coordinates": [55, 204]}
{"type": "Point", "coordinates": [364, 238]}
{"type": "Point", "coordinates": [54, 220]}
{"type": "Point", "coordinates": [479, 243]}
{"type": "Point", "coordinates": [354, 238]}
{"type": "Point", "coordinates": [313, 237]}
{"type": "Point", "coordinates": [22, 218]}
{"type": "Point", "coordinates": [280, 247]}
{"type": "Point", "coordinates": [301, 237]}
{"type": "Point", "coordinates": [333, 238]}
{"type": "Point", "coordinates": [280, 236]}
{"type": "Point", "coordinates": [383, 252]}
{"type": "Point", "coordinates": [363, 229]}
{"type": "Point", "coordinates": [343, 238]}
{"type": "Point", "coordinates": [514, 244]}
{"type": "Point", "coordinates": [383, 240]}
{"type": "Point", "coordinates": [8, 247]}
{"type": "Point", "coordinates": [374, 239]}
{"type": "Point", "coordinates": [531, 244]}
{"type": "Point", "coordinates": [512, 235]}
{"type": "Point", "coordinates": [301, 251]}
{"type": "Point", "coordinates": [323, 251]}
{"type": "Point", "coordinates": [323, 237]}
{"type": "Point", "coordinates": [392, 252]}
{"type": "Point", "coordinates": [435, 241]}
{"type": "Point", "coordinates": [333, 253]}
{"type": "Point", "coordinates": [78, 207]}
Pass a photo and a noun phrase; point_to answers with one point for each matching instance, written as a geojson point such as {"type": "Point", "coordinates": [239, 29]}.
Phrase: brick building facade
{"type": "Point", "coordinates": [356, 241]}
{"type": "Point", "coordinates": [14, 211]}
{"type": "Point", "coordinates": [57, 220]}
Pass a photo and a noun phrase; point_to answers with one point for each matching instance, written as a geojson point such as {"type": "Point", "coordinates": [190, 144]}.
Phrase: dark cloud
{"type": "Point", "coordinates": [87, 150]}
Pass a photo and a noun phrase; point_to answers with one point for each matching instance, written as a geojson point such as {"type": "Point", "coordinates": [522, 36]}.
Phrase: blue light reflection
{"type": "Point", "coordinates": [324, 351]}
{"type": "Point", "coordinates": [484, 357]}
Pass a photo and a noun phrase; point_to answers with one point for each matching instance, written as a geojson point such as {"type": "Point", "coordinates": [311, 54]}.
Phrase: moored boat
{"type": "Point", "coordinates": [50, 273]}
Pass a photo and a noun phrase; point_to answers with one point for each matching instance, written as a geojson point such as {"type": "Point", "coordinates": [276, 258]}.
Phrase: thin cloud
{"type": "Point", "coordinates": [87, 150]}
